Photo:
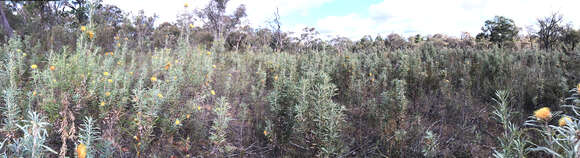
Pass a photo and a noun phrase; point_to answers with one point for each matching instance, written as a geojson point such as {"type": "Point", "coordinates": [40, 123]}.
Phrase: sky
{"type": "Point", "coordinates": [356, 18]}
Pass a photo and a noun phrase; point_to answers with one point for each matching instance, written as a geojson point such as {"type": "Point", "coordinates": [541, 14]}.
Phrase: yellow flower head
{"type": "Point", "coordinates": [208, 53]}
{"type": "Point", "coordinates": [91, 34]}
{"type": "Point", "coordinates": [177, 122]}
{"type": "Point", "coordinates": [102, 103]}
{"type": "Point", "coordinates": [118, 44]}
{"type": "Point", "coordinates": [212, 92]}
{"type": "Point", "coordinates": [82, 150]}
{"type": "Point", "coordinates": [107, 94]}
{"type": "Point", "coordinates": [265, 132]}
{"type": "Point", "coordinates": [185, 5]}
{"type": "Point", "coordinates": [160, 95]}
{"type": "Point", "coordinates": [33, 93]}
{"type": "Point", "coordinates": [191, 26]}
{"type": "Point", "coordinates": [543, 114]}
{"type": "Point", "coordinates": [24, 54]}
{"type": "Point", "coordinates": [198, 107]}
{"type": "Point", "coordinates": [106, 73]}
{"type": "Point", "coordinates": [187, 116]}
{"type": "Point", "coordinates": [564, 120]}
{"type": "Point", "coordinates": [52, 68]}
{"type": "Point", "coordinates": [33, 66]}
{"type": "Point", "coordinates": [214, 66]}
{"type": "Point", "coordinates": [167, 66]}
{"type": "Point", "coordinates": [110, 80]}
{"type": "Point", "coordinates": [153, 79]}
{"type": "Point", "coordinates": [83, 28]}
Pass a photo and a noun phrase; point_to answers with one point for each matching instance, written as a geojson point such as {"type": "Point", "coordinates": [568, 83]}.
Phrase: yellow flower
{"type": "Point", "coordinates": [91, 34]}
{"type": "Point", "coordinates": [265, 132]}
{"type": "Point", "coordinates": [106, 73]}
{"type": "Point", "coordinates": [83, 28]}
{"type": "Point", "coordinates": [177, 122]}
{"type": "Point", "coordinates": [187, 116]}
{"type": "Point", "coordinates": [564, 120]}
{"type": "Point", "coordinates": [185, 5]}
{"type": "Point", "coordinates": [52, 68]}
{"type": "Point", "coordinates": [208, 53]}
{"type": "Point", "coordinates": [198, 107]}
{"type": "Point", "coordinates": [107, 94]}
{"type": "Point", "coordinates": [214, 66]}
{"type": "Point", "coordinates": [82, 150]}
{"type": "Point", "coordinates": [33, 66]}
{"type": "Point", "coordinates": [24, 54]}
{"type": "Point", "coordinates": [153, 79]}
{"type": "Point", "coordinates": [167, 66]}
{"type": "Point", "coordinates": [543, 114]}
{"type": "Point", "coordinates": [33, 93]}
{"type": "Point", "coordinates": [116, 37]}
{"type": "Point", "coordinates": [160, 95]}
{"type": "Point", "coordinates": [191, 26]}
{"type": "Point", "coordinates": [131, 73]}
{"type": "Point", "coordinates": [110, 80]}
{"type": "Point", "coordinates": [212, 92]}
{"type": "Point", "coordinates": [118, 44]}
{"type": "Point", "coordinates": [102, 103]}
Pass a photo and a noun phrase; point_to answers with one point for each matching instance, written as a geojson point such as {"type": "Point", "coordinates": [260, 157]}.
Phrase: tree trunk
{"type": "Point", "coordinates": [5, 25]}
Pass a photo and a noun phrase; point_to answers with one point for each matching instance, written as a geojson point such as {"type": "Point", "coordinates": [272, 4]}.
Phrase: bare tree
{"type": "Point", "coordinates": [275, 24]}
{"type": "Point", "coordinates": [550, 30]}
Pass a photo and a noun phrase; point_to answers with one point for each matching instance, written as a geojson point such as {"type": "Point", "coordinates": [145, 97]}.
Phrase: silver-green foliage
{"type": "Point", "coordinates": [513, 141]}
{"type": "Point", "coordinates": [35, 134]}
{"type": "Point", "coordinates": [220, 126]}
{"type": "Point", "coordinates": [560, 141]}
{"type": "Point", "coordinates": [89, 135]}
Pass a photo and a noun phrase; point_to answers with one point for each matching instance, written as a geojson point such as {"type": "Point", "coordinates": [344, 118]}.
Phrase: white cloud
{"type": "Point", "coordinates": [451, 17]}
{"type": "Point", "coordinates": [406, 17]}
{"type": "Point", "coordinates": [258, 11]}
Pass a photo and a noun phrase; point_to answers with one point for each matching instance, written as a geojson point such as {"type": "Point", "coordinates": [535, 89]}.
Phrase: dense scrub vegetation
{"type": "Point", "coordinates": [126, 95]}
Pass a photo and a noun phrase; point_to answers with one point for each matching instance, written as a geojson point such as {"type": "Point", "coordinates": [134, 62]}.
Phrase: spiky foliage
{"type": "Point", "coordinates": [513, 141]}
{"type": "Point", "coordinates": [89, 135]}
{"type": "Point", "coordinates": [220, 126]}
{"type": "Point", "coordinates": [559, 140]}
{"type": "Point", "coordinates": [32, 142]}
{"type": "Point", "coordinates": [11, 110]}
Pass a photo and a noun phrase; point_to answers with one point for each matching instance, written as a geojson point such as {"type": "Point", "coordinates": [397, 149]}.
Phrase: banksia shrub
{"type": "Point", "coordinates": [32, 142]}
{"type": "Point", "coordinates": [219, 128]}
{"type": "Point", "coordinates": [513, 141]}
{"type": "Point", "coordinates": [89, 136]}
{"type": "Point", "coordinates": [560, 139]}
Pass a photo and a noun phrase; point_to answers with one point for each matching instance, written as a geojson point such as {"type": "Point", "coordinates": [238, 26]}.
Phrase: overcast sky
{"type": "Point", "coordinates": [356, 18]}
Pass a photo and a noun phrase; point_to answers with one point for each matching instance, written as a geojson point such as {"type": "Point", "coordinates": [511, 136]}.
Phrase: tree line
{"type": "Point", "coordinates": [51, 24]}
